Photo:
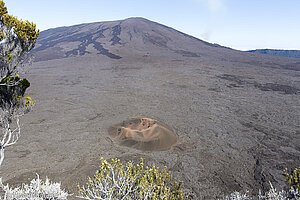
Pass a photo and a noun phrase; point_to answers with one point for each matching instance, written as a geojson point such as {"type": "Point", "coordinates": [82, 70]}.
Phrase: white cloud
{"type": "Point", "coordinates": [213, 5]}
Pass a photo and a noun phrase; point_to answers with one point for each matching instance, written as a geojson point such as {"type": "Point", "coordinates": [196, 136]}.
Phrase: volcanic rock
{"type": "Point", "coordinates": [235, 114]}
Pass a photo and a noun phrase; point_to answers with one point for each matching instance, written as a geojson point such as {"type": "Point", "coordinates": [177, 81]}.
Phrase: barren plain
{"type": "Point", "coordinates": [235, 114]}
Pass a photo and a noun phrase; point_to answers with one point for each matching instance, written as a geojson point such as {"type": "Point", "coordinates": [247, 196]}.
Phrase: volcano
{"type": "Point", "coordinates": [232, 116]}
{"type": "Point", "coordinates": [117, 39]}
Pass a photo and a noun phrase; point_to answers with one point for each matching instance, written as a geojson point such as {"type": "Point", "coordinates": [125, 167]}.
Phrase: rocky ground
{"type": "Point", "coordinates": [236, 115]}
{"type": "Point", "coordinates": [236, 128]}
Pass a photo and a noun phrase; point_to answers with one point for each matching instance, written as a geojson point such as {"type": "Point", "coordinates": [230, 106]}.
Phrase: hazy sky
{"type": "Point", "coordinates": [239, 24]}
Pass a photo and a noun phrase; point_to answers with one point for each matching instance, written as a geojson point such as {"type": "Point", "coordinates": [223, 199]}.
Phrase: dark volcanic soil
{"type": "Point", "coordinates": [236, 119]}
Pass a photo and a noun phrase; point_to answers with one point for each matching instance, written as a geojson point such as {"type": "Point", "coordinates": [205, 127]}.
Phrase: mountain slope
{"type": "Point", "coordinates": [278, 52]}
{"type": "Point", "coordinates": [137, 38]}
{"type": "Point", "coordinates": [115, 39]}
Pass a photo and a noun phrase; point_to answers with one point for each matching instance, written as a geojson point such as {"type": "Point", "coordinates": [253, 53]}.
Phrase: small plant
{"type": "Point", "coordinates": [272, 194]}
{"type": "Point", "coordinates": [237, 196]}
{"type": "Point", "coordinates": [117, 181]}
{"type": "Point", "coordinates": [293, 178]}
{"type": "Point", "coordinates": [36, 190]}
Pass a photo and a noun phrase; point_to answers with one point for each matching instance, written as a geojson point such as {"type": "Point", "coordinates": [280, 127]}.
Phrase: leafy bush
{"type": "Point", "coordinates": [293, 178]}
{"type": "Point", "coordinates": [117, 181]}
{"type": "Point", "coordinates": [36, 190]}
{"type": "Point", "coordinates": [17, 38]}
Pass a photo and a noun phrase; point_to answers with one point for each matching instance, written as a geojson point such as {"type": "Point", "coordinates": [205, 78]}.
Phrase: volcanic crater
{"type": "Point", "coordinates": [144, 134]}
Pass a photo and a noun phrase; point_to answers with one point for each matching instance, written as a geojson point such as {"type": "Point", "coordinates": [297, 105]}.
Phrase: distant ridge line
{"type": "Point", "coordinates": [278, 52]}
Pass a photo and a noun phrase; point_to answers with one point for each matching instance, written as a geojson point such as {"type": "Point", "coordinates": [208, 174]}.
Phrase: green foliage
{"type": "Point", "coordinates": [10, 80]}
{"type": "Point", "coordinates": [26, 31]}
{"type": "Point", "coordinates": [117, 181]}
{"type": "Point", "coordinates": [24, 83]}
{"type": "Point", "coordinates": [12, 90]}
{"type": "Point", "coordinates": [17, 37]}
{"type": "Point", "coordinates": [10, 57]}
{"type": "Point", "coordinates": [293, 178]}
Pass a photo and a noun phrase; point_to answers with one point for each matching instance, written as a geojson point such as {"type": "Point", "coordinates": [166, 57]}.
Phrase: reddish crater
{"type": "Point", "coordinates": [144, 134]}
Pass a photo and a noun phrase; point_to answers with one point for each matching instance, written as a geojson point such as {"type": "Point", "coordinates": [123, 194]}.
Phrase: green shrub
{"type": "Point", "coordinates": [293, 178]}
{"type": "Point", "coordinates": [17, 38]}
{"type": "Point", "coordinates": [117, 181]}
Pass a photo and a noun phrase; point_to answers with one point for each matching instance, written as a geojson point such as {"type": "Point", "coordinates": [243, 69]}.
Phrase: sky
{"type": "Point", "coordinates": [239, 24]}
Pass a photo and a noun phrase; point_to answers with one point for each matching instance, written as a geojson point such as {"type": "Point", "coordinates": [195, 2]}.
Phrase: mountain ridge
{"type": "Point", "coordinates": [140, 38]}
{"type": "Point", "coordinates": [154, 33]}
{"type": "Point", "coordinates": [278, 52]}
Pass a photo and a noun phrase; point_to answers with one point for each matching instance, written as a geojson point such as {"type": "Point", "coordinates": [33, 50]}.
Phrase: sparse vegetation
{"type": "Point", "coordinates": [17, 38]}
{"type": "Point", "coordinates": [36, 190]}
{"type": "Point", "coordinates": [273, 194]}
{"type": "Point", "coordinates": [293, 178]}
{"type": "Point", "coordinates": [117, 181]}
